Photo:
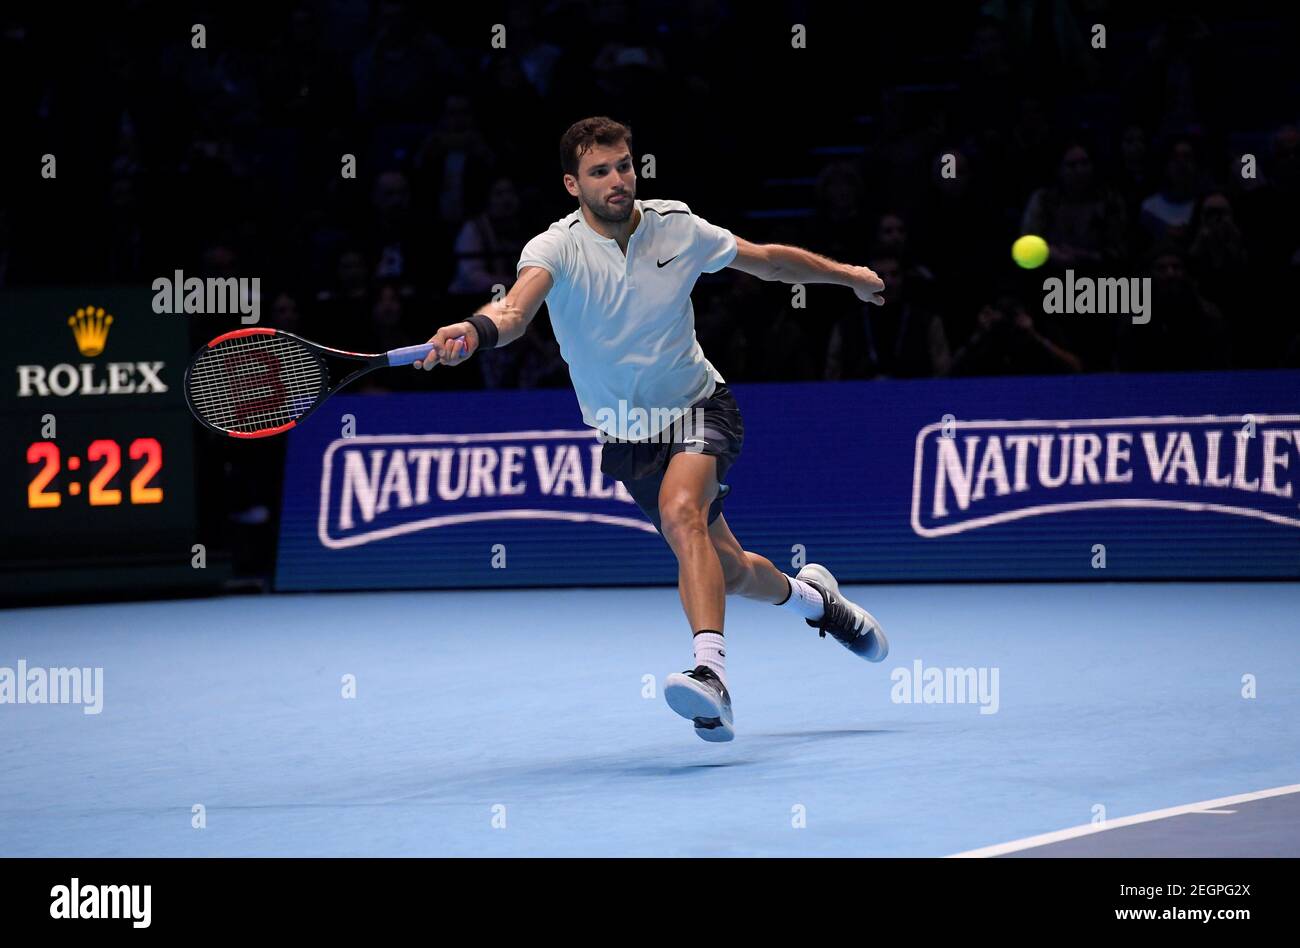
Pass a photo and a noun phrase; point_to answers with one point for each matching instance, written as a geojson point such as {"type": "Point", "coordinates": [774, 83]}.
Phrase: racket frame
{"type": "Point", "coordinates": [372, 361]}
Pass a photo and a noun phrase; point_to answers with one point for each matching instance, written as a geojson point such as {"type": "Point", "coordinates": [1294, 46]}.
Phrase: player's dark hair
{"type": "Point", "coordinates": [584, 135]}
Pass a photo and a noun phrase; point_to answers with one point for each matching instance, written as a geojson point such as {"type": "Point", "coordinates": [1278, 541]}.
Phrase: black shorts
{"type": "Point", "coordinates": [641, 465]}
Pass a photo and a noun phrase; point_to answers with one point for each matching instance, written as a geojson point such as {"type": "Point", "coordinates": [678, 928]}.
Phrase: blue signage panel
{"type": "Point", "coordinates": [1086, 477]}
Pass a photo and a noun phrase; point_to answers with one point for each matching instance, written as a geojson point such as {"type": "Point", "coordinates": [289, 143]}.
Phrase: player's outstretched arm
{"type": "Point", "coordinates": [796, 265]}
{"type": "Point", "coordinates": [510, 315]}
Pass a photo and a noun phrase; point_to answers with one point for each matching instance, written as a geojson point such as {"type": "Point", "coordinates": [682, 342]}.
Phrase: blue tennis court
{"type": "Point", "coordinates": [531, 723]}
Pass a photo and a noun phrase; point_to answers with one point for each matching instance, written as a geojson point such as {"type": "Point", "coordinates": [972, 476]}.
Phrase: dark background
{"type": "Point", "coordinates": [225, 161]}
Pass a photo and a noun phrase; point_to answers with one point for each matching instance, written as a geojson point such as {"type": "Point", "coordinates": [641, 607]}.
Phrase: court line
{"type": "Point", "coordinates": [1087, 829]}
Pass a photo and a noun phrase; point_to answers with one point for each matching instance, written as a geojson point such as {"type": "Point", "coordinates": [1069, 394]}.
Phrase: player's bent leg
{"type": "Point", "coordinates": [688, 488]}
{"type": "Point", "coordinates": [818, 598]}
{"type": "Point", "coordinates": [699, 694]}
{"type": "Point", "coordinates": [747, 574]}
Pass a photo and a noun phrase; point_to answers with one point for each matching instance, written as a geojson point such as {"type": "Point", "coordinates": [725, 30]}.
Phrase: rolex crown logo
{"type": "Point", "coordinates": [90, 329]}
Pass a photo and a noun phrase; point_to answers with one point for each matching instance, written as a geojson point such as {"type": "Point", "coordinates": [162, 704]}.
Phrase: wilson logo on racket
{"type": "Point", "coordinates": [255, 383]}
{"type": "Point", "coordinates": [260, 372]}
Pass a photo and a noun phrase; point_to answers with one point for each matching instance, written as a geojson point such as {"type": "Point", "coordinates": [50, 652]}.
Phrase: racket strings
{"type": "Point", "coordinates": [252, 383]}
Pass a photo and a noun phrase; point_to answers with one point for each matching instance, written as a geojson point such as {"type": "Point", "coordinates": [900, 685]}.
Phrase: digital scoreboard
{"type": "Point", "coordinates": [97, 453]}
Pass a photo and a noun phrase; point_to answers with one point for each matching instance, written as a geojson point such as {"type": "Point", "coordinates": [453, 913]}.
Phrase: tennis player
{"type": "Point", "coordinates": [617, 275]}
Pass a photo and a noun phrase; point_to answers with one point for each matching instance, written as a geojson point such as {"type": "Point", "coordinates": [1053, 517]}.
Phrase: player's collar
{"type": "Point", "coordinates": [598, 236]}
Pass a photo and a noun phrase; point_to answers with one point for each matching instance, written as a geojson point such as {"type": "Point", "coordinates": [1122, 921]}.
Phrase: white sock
{"type": "Point", "coordinates": [711, 653]}
{"type": "Point", "coordinates": [803, 599]}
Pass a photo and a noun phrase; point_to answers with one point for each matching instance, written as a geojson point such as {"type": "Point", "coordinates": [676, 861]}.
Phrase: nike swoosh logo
{"type": "Point", "coordinates": [664, 263]}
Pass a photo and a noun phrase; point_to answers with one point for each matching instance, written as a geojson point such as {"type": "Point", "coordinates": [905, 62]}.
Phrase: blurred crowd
{"type": "Point", "coordinates": [1153, 157]}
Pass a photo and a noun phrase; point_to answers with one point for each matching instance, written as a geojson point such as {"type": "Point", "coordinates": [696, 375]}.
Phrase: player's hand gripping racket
{"type": "Point", "coordinates": [254, 383]}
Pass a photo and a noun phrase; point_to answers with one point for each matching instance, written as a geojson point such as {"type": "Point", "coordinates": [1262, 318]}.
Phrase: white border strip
{"type": "Point", "coordinates": [1029, 842]}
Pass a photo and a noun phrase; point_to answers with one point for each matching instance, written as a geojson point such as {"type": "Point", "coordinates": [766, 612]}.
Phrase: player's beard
{"type": "Point", "coordinates": [612, 213]}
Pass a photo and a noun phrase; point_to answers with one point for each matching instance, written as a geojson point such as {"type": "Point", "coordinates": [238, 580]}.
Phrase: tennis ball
{"type": "Point", "coordinates": [1030, 251]}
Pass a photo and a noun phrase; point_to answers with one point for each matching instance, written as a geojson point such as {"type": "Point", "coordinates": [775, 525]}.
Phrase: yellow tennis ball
{"type": "Point", "coordinates": [1030, 251]}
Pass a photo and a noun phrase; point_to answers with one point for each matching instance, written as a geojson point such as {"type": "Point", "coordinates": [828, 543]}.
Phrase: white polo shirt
{"type": "Point", "coordinates": [625, 324]}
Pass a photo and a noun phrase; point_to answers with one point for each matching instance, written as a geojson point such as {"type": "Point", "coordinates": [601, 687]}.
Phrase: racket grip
{"type": "Point", "coordinates": [411, 354]}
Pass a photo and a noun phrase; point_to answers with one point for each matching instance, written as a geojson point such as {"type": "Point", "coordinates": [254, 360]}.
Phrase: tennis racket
{"type": "Point", "coordinates": [255, 383]}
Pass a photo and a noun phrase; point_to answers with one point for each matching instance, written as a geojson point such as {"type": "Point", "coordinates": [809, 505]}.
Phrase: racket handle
{"type": "Point", "coordinates": [408, 355]}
